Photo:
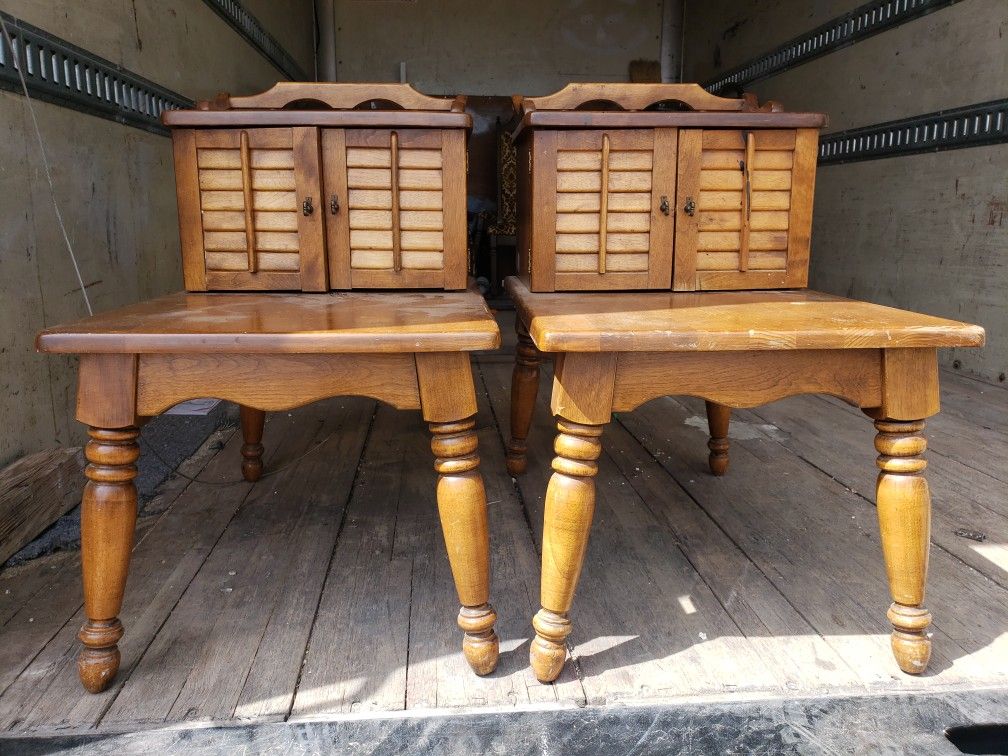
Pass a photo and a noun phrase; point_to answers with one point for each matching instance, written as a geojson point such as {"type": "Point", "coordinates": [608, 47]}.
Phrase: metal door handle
{"type": "Point", "coordinates": [334, 204]}
{"type": "Point", "coordinates": [306, 207]}
{"type": "Point", "coordinates": [664, 206]}
{"type": "Point", "coordinates": [690, 207]}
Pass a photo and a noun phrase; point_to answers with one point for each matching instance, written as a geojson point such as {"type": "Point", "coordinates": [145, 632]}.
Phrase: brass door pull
{"type": "Point", "coordinates": [306, 207]}
{"type": "Point", "coordinates": [334, 204]}
{"type": "Point", "coordinates": [663, 205]}
{"type": "Point", "coordinates": [690, 207]}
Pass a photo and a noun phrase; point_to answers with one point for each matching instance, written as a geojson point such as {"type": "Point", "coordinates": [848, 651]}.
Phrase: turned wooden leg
{"type": "Point", "coordinates": [463, 509]}
{"type": "Point", "coordinates": [904, 512]}
{"type": "Point", "coordinates": [524, 387]}
{"type": "Point", "coordinates": [108, 518]}
{"type": "Point", "coordinates": [718, 418]}
{"type": "Point", "coordinates": [252, 421]}
{"type": "Point", "coordinates": [570, 504]}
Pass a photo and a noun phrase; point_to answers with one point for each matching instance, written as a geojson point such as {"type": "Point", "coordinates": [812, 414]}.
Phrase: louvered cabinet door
{"type": "Point", "coordinates": [611, 225]}
{"type": "Point", "coordinates": [397, 204]}
{"type": "Point", "coordinates": [248, 208]}
{"type": "Point", "coordinates": [744, 208]}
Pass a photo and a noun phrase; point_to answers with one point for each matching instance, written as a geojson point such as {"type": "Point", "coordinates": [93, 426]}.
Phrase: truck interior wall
{"type": "Point", "coordinates": [925, 232]}
{"type": "Point", "coordinates": [521, 47]}
{"type": "Point", "coordinates": [115, 186]}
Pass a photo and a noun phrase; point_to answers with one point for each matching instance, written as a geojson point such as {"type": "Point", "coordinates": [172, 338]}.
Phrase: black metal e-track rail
{"type": "Point", "coordinates": [859, 24]}
{"type": "Point", "coordinates": [969, 126]}
{"type": "Point", "coordinates": [248, 26]}
{"type": "Point", "coordinates": [59, 72]}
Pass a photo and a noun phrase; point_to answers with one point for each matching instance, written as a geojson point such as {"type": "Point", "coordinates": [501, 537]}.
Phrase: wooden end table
{"type": "Point", "coordinates": [613, 352]}
{"type": "Point", "coordinates": [274, 352]}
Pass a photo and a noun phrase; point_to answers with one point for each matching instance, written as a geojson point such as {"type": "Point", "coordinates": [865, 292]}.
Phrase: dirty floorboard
{"type": "Point", "coordinates": [323, 590]}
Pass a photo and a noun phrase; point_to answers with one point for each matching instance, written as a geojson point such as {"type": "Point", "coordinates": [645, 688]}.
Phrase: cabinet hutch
{"type": "Point", "coordinates": [314, 187]}
{"type": "Point", "coordinates": [675, 189]}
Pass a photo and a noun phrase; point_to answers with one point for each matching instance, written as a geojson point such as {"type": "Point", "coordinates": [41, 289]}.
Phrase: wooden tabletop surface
{"type": "Point", "coordinates": [726, 321]}
{"type": "Point", "coordinates": [284, 324]}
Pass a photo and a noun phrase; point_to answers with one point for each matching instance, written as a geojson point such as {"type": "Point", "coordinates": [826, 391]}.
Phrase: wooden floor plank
{"type": "Point", "coordinates": [438, 674]}
{"type": "Point", "coordinates": [53, 616]}
{"type": "Point", "coordinates": [35, 491]}
{"type": "Point", "coordinates": [645, 622]}
{"type": "Point", "coordinates": [818, 543]}
{"type": "Point", "coordinates": [42, 594]}
{"type": "Point", "coordinates": [201, 658]}
{"type": "Point", "coordinates": [356, 657]}
{"type": "Point", "coordinates": [793, 649]}
{"type": "Point", "coordinates": [20, 583]}
{"type": "Point", "coordinates": [963, 499]}
{"type": "Point", "coordinates": [272, 679]}
{"type": "Point", "coordinates": [162, 566]}
{"type": "Point", "coordinates": [980, 402]}
{"type": "Point", "coordinates": [971, 428]}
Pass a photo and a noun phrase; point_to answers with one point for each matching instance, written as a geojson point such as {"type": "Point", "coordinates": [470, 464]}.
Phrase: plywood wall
{"type": "Point", "coordinates": [115, 187]}
{"type": "Point", "coordinates": [494, 48]}
{"type": "Point", "coordinates": [924, 232]}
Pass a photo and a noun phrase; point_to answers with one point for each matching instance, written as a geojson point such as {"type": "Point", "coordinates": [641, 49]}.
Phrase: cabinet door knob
{"type": "Point", "coordinates": [690, 207]}
{"type": "Point", "coordinates": [663, 205]}
{"type": "Point", "coordinates": [306, 207]}
{"type": "Point", "coordinates": [334, 204]}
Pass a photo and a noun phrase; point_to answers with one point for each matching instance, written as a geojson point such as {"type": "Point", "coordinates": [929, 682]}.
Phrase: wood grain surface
{"type": "Point", "coordinates": [284, 324]}
{"type": "Point", "coordinates": [716, 321]}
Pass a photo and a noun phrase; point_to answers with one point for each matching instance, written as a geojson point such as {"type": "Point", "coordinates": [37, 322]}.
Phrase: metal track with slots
{"type": "Point", "coordinates": [861, 23]}
{"type": "Point", "coordinates": [64, 74]}
{"type": "Point", "coordinates": [249, 27]}
{"type": "Point", "coordinates": [969, 126]}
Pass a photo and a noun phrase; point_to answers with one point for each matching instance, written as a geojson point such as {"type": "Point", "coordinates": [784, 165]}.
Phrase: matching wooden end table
{"type": "Point", "coordinates": [275, 352]}
{"type": "Point", "coordinates": [615, 351]}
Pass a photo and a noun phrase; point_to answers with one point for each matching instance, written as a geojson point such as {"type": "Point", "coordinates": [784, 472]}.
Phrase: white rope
{"type": "Point", "coordinates": [45, 165]}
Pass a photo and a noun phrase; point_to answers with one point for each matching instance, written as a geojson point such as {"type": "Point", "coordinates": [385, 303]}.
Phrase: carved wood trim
{"type": "Point", "coordinates": [344, 96]}
{"type": "Point", "coordinates": [632, 97]}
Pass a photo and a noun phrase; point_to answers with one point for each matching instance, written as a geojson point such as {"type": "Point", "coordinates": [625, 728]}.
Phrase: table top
{"type": "Point", "coordinates": [257, 323]}
{"type": "Point", "coordinates": [725, 321]}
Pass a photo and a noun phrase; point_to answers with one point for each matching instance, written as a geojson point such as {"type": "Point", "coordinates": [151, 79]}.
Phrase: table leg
{"type": "Point", "coordinates": [252, 421]}
{"type": "Point", "coordinates": [448, 403]}
{"type": "Point", "coordinates": [108, 518]}
{"type": "Point", "coordinates": [904, 512]}
{"type": "Point", "coordinates": [718, 419]}
{"type": "Point", "coordinates": [570, 504]}
{"type": "Point", "coordinates": [524, 387]}
{"type": "Point", "coordinates": [462, 506]}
